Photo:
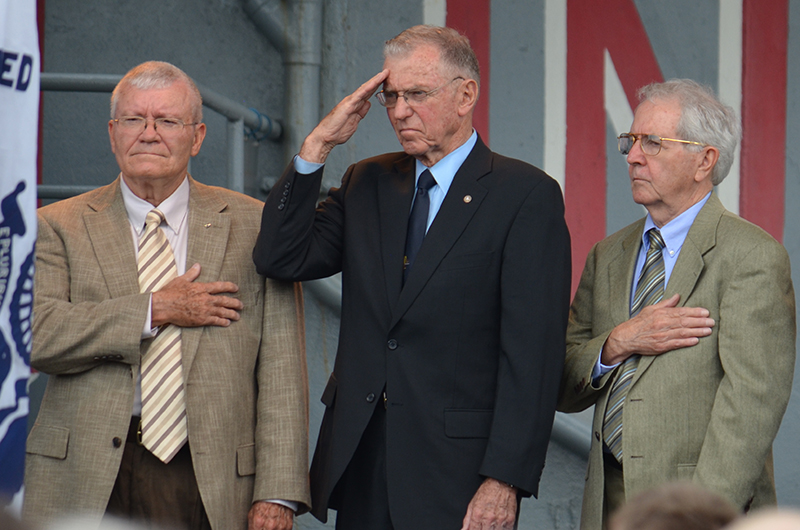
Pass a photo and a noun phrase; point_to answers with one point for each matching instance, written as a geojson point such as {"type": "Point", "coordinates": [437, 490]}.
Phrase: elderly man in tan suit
{"type": "Point", "coordinates": [177, 393]}
{"type": "Point", "coordinates": [682, 330]}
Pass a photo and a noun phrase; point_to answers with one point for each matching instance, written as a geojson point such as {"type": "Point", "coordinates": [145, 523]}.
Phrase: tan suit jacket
{"type": "Point", "coordinates": [708, 413]}
{"type": "Point", "coordinates": [246, 385]}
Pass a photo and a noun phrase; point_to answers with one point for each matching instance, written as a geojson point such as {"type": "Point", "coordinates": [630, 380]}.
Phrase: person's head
{"type": "Point", "coordinates": [674, 506]}
{"type": "Point", "coordinates": [669, 176]}
{"type": "Point", "coordinates": [155, 127]}
{"type": "Point", "coordinates": [431, 90]}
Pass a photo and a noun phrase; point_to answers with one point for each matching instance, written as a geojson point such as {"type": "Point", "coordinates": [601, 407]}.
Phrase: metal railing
{"type": "Point", "coordinates": [238, 117]}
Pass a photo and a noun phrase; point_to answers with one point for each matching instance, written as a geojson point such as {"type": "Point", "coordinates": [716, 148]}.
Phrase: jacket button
{"type": "Point", "coordinates": [116, 442]}
{"type": "Point", "coordinates": [370, 397]}
{"type": "Point", "coordinates": [281, 206]}
{"type": "Point", "coordinates": [597, 435]}
{"type": "Point", "coordinates": [392, 344]}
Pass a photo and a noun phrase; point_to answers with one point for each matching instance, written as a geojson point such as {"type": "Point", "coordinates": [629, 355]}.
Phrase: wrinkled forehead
{"type": "Point", "coordinates": [420, 67]}
{"type": "Point", "coordinates": [173, 99]}
{"type": "Point", "coordinates": [657, 116]}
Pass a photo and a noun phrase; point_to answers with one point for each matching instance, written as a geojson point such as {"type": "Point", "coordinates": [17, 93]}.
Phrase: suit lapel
{"type": "Point", "coordinates": [620, 273]}
{"type": "Point", "coordinates": [450, 222]}
{"type": "Point", "coordinates": [110, 233]}
{"type": "Point", "coordinates": [700, 239]}
{"type": "Point", "coordinates": [208, 239]}
{"type": "Point", "coordinates": [395, 192]}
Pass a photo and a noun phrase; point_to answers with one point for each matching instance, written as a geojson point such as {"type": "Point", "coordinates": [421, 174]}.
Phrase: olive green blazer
{"type": "Point", "coordinates": [708, 413]}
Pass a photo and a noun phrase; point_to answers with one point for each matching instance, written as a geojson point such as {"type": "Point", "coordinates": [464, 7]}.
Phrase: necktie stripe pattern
{"type": "Point", "coordinates": [649, 290]}
{"type": "Point", "coordinates": [418, 220]}
{"type": "Point", "coordinates": [163, 399]}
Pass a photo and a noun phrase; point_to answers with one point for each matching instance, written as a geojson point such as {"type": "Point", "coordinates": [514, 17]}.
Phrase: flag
{"type": "Point", "coordinates": [19, 118]}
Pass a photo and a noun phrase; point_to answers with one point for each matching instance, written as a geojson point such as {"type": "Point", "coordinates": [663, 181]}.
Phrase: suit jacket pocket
{"type": "Point", "coordinates": [467, 423]}
{"type": "Point", "coordinates": [246, 460]}
{"type": "Point", "coordinates": [46, 440]}
{"type": "Point", "coordinates": [330, 391]}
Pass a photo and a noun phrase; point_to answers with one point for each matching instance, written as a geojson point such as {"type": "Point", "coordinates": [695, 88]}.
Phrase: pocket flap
{"type": "Point", "coordinates": [246, 460]}
{"type": "Point", "coordinates": [464, 423]}
{"type": "Point", "coordinates": [47, 440]}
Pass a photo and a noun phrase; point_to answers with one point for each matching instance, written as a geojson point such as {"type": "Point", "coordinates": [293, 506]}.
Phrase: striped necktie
{"type": "Point", "coordinates": [163, 399]}
{"type": "Point", "coordinates": [649, 290]}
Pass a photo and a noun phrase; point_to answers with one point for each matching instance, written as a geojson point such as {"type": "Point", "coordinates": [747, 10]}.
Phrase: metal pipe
{"type": "Point", "coordinates": [50, 191]}
{"type": "Point", "coordinates": [236, 155]}
{"type": "Point", "coordinates": [303, 61]}
{"type": "Point", "coordinates": [572, 434]}
{"type": "Point", "coordinates": [270, 19]}
{"type": "Point", "coordinates": [261, 123]}
{"type": "Point", "coordinates": [295, 29]}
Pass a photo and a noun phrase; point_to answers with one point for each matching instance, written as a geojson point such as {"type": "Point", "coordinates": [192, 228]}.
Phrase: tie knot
{"type": "Point", "coordinates": [426, 181]}
{"type": "Point", "coordinates": [154, 216]}
{"type": "Point", "coordinates": [656, 241]}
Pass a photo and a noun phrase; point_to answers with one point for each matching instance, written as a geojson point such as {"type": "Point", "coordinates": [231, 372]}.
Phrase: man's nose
{"type": "Point", "coordinates": [402, 109]}
{"type": "Point", "coordinates": [150, 130]}
{"type": "Point", "coordinates": [635, 155]}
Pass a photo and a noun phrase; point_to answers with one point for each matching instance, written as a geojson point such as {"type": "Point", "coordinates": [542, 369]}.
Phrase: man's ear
{"type": "Point", "coordinates": [199, 136]}
{"type": "Point", "coordinates": [468, 96]}
{"type": "Point", "coordinates": [710, 156]}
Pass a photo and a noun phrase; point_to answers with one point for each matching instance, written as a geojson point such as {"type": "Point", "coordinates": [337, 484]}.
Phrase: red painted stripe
{"type": "Point", "coordinates": [763, 164]}
{"type": "Point", "coordinates": [591, 28]}
{"type": "Point", "coordinates": [473, 19]}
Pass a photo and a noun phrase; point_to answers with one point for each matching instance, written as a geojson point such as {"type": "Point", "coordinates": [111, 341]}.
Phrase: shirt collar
{"type": "Point", "coordinates": [175, 207]}
{"type": "Point", "coordinates": [445, 169]}
{"type": "Point", "coordinates": [674, 232]}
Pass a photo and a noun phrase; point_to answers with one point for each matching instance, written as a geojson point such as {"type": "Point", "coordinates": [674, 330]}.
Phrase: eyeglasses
{"type": "Point", "coordinates": [137, 124]}
{"type": "Point", "coordinates": [413, 97]}
{"type": "Point", "coordinates": [650, 143]}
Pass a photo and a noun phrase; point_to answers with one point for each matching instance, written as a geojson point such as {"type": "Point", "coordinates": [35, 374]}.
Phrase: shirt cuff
{"type": "Point", "coordinates": [149, 331]}
{"type": "Point", "coordinates": [289, 504]}
{"type": "Point", "coordinates": [601, 369]}
{"type": "Point", "coordinates": [305, 167]}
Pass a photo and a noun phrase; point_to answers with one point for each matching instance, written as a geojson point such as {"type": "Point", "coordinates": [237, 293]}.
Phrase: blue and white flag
{"type": "Point", "coordinates": [19, 119]}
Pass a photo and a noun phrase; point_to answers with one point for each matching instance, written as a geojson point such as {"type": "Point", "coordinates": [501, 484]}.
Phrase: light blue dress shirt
{"type": "Point", "coordinates": [674, 234]}
{"type": "Point", "coordinates": [443, 171]}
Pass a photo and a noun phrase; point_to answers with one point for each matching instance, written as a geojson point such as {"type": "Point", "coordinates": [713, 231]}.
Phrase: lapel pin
{"type": "Point", "coordinates": [207, 225]}
{"type": "Point", "coordinates": [467, 199]}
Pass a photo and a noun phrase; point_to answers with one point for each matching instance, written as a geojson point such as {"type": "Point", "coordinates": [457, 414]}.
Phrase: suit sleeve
{"type": "Point", "coordinates": [583, 348]}
{"type": "Point", "coordinates": [757, 353]}
{"type": "Point", "coordinates": [282, 423]}
{"type": "Point", "coordinates": [72, 337]}
{"type": "Point", "coordinates": [298, 242]}
{"type": "Point", "coordinates": [535, 290]}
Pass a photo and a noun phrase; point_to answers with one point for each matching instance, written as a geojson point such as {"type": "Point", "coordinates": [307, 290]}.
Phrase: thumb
{"type": "Point", "coordinates": [672, 301]}
{"type": "Point", "coordinates": [192, 274]}
{"type": "Point", "coordinates": [467, 518]}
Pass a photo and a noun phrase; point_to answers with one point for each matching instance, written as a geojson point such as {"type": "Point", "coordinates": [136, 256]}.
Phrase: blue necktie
{"type": "Point", "coordinates": [418, 220]}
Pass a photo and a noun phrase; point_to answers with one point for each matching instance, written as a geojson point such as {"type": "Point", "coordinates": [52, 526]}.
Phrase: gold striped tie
{"type": "Point", "coordinates": [649, 290]}
{"type": "Point", "coordinates": [163, 398]}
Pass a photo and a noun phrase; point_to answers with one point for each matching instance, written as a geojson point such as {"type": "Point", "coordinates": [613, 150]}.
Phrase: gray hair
{"type": "Point", "coordinates": [156, 75]}
{"type": "Point", "coordinates": [454, 47]}
{"type": "Point", "coordinates": [704, 118]}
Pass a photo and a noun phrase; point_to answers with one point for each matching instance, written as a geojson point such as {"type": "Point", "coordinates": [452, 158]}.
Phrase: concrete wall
{"type": "Point", "coordinates": [216, 43]}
